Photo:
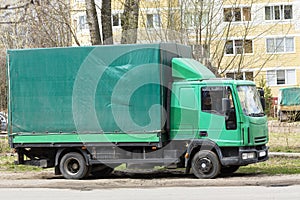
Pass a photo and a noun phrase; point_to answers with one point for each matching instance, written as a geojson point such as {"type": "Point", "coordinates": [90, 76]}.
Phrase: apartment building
{"type": "Point", "coordinates": [270, 50]}
{"type": "Point", "coordinates": [254, 40]}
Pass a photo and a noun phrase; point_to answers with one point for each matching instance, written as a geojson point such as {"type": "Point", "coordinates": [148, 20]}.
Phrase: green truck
{"type": "Point", "coordinates": [86, 110]}
{"type": "Point", "coordinates": [288, 108]}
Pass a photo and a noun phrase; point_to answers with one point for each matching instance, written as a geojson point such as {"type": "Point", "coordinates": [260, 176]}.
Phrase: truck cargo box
{"type": "Point", "coordinates": [289, 104]}
{"type": "Point", "coordinates": [289, 96]}
{"type": "Point", "coordinates": [96, 89]}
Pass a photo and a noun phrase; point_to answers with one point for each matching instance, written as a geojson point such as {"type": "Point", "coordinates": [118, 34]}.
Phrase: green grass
{"type": "Point", "coordinates": [7, 164]}
{"type": "Point", "coordinates": [274, 166]}
{"type": "Point", "coordinates": [7, 159]}
{"type": "Point", "coordinates": [4, 147]}
{"type": "Point", "coordinates": [284, 142]}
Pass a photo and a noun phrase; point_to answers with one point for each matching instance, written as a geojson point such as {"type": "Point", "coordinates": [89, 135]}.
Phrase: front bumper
{"type": "Point", "coordinates": [246, 155]}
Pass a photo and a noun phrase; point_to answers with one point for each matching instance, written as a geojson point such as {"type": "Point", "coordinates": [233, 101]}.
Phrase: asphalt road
{"type": "Point", "coordinates": [224, 193]}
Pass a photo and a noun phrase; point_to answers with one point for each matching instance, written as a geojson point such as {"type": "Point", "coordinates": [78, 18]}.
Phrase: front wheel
{"type": "Point", "coordinates": [73, 166]}
{"type": "Point", "coordinates": [206, 164]}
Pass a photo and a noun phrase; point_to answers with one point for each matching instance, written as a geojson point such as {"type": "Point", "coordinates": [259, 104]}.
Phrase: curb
{"type": "Point", "coordinates": [284, 154]}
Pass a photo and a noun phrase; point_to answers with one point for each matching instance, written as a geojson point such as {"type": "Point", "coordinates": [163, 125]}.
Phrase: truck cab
{"type": "Point", "coordinates": [223, 116]}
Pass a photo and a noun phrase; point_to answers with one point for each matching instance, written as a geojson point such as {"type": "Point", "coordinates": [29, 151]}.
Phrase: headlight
{"type": "Point", "coordinates": [250, 155]}
{"type": "Point", "coordinates": [262, 154]}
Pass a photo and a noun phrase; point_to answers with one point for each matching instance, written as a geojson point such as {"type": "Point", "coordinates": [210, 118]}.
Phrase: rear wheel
{"type": "Point", "coordinates": [283, 116]}
{"type": "Point", "coordinates": [206, 164]}
{"type": "Point", "coordinates": [73, 166]}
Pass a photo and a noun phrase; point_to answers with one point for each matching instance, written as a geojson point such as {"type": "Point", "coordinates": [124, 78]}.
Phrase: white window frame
{"type": "Point", "coordinates": [119, 19]}
{"type": "Point", "coordinates": [281, 12]}
{"type": "Point", "coordinates": [156, 20]}
{"type": "Point", "coordinates": [82, 27]}
{"type": "Point", "coordinates": [276, 40]}
{"type": "Point", "coordinates": [232, 10]}
{"type": "Point", "coordinates": [243, 73]}
{"type": "Point", "coordinates": [272, 77]}
{"type": "Point", "coordinates": [235, 47]}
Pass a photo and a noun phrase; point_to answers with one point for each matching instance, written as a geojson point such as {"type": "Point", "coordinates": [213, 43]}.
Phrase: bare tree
{"type": "Point", "coordinates": [130, 21]}
{"type": "Point", "coordinates": [92, 20]}
{"type": "Point", "coordinates": [107, 33]}
{"type": "Point", "coordinates": [31, 24]}
{"type": "Point", "coordinates": [36, 24]}
{"type": "Point", "coordinates": [3, 91]}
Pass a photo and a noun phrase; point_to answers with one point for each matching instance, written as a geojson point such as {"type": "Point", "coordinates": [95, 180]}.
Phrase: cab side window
{"type": "Point", "coordinates": [211, 102]}
{"type": "Point", "coordinates": [211, 99]}
{"type": "Point", "coordinates": [206, 101]}
{"type": "Point", "coordinates": [231, 115]}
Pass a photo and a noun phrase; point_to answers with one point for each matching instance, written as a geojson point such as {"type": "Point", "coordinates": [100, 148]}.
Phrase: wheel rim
{"type": "Point", "coordinates": [204, 165]}
{"type": "Point", "coordinates": [72, 166]}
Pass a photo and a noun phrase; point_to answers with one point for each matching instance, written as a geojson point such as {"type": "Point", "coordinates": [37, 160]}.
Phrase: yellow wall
{"type": "Point", "coordinates": [247, 2]}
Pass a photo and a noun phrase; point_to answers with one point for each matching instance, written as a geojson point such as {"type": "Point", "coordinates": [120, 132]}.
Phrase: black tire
{"type": "Point", "coordinates": [206, 165]}
{"type": "Point", "coordinates": [280, 117]}
{"type": "Point", "coordinates": [228, 170]}
{"type": "Point", "coordinates": [100, 171]}
{"type": "Point", "coordinates": [73, 166]}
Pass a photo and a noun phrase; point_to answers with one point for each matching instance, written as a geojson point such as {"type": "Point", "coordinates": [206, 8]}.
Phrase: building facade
{"type": "Point", "coordinates": [270, 50]}
{"type": "Point", "coordinates": [256, 40]}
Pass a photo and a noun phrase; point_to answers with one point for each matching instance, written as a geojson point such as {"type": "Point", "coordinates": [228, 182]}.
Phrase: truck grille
{"type": "Point", "coordinates": [261, 139]}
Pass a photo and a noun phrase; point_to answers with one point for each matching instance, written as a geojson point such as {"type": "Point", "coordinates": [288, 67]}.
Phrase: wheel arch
{"type": "Point", "coordinates": [63, 151]}
{"type": "Point", "coordinates": [198, 145]}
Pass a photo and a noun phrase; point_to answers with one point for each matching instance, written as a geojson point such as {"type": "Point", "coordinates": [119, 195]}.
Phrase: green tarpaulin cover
{"type": "Point", "coordinates": [290, 96]}
{"type": "Point", "coordinates": [119, 88]}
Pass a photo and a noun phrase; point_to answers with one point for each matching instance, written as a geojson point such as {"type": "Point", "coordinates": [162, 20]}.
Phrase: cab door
{"type": "Point", "coordinates": [214, 123]}
{"type": "Point", "coordinates": [184, 112]}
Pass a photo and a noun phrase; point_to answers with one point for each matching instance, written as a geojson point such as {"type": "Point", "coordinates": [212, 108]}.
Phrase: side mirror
{"type": "Point", "coordinates": [263, 102]}
{"type": "Point", "coordinates": [225, 105]}
{"type": "Point", "coordinates": [262, 98]}
{"type": "Point", "coordinates": [261, 93]}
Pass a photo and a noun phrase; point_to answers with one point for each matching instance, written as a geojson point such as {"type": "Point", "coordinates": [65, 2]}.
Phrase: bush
{"type": "Point", "coordinates": [4, 146]}
{"type": "Point", "coordinates": [268, 96]}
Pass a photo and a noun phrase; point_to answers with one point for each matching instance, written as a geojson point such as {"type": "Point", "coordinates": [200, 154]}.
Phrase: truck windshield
{"type": "Point", "coordinates": [250, 101]}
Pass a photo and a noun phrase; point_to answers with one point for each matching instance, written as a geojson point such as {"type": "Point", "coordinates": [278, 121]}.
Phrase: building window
{"type": "Point", "coordinates": [237, 14]}
{"type": "Point", "coordinates": [82, 23]}
{"type": "Point", "coordinates": [196, 20]}
{"type": "Point", "coordinates": [233, 47]}
{"type": "Point", "coordinates": [280, 12]}
{"type": "Point", "coordinates": [240, 76]}
{"type": "Point", "coordinates": [280, 45]}
{"type": "Point", "coordinates": [117, 19]}
{"type": "Point", "coordinates": [200, 50]}
{"type": "Point", "coordinates": [281, 77]}
{"type": "Point", "coordinates": [153, 20]}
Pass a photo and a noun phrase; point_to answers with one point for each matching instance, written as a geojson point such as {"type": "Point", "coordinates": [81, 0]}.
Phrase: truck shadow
{"type": "Point", "coordinates": [164, 174]}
